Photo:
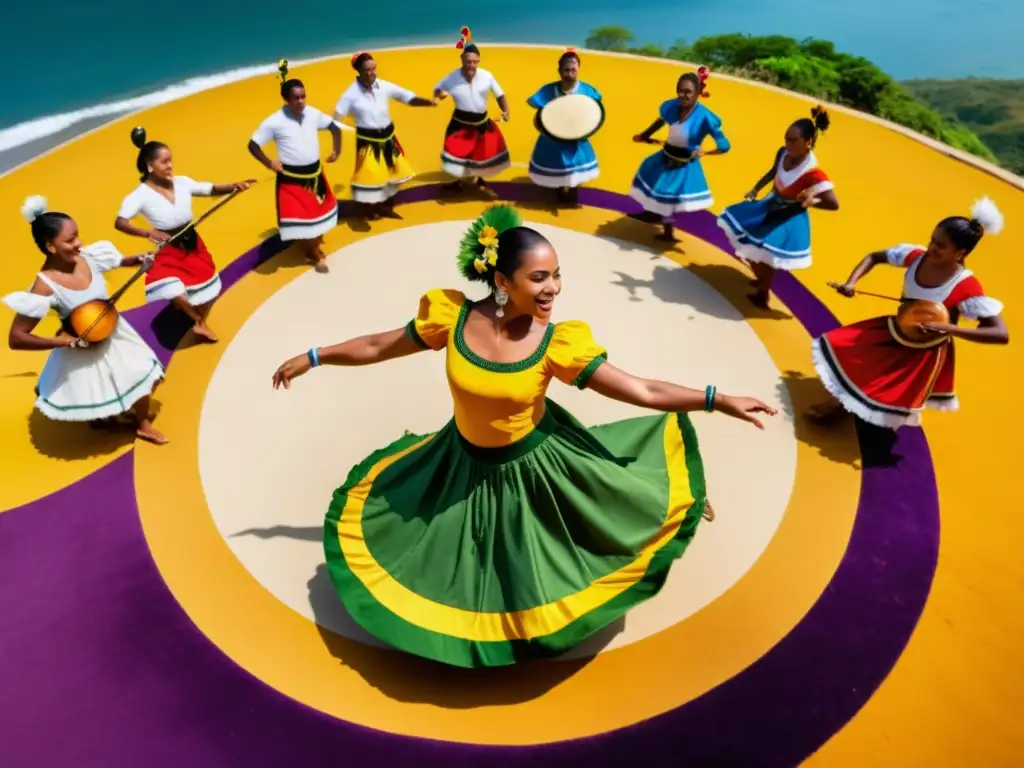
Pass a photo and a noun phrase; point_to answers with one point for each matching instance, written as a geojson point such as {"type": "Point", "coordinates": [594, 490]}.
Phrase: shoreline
{"type": "Point", "coordinates": [16, 157]}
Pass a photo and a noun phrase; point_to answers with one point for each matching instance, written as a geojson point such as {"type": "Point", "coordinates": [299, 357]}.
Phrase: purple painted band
{"type": "Point", "coordinates": [101, 667]}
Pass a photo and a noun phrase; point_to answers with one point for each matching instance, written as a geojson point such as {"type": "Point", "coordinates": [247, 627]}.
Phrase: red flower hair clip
{"type": "Point", "coordinates": [703, 73]}
{"type": "Point", "coordinates": [465, 37]}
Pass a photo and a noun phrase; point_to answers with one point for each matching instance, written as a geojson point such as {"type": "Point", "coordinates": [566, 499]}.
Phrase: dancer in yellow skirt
{"type": "Point", "coordinates": [381, 167]}
{"type": "Point", "coordinates": [514, 531]}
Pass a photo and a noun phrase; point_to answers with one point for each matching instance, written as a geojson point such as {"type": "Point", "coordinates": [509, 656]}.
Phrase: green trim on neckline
{"type": "Point", "coordinates": [488, 365]}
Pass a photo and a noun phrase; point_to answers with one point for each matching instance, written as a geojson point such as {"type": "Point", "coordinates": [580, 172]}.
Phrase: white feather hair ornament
{"type": "Point", "coordinates": [985, 212]}
{"type": "Point", "coordinates": [33, 208]}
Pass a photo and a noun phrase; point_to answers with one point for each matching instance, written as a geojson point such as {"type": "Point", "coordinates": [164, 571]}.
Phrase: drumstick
{"type": "Point", "coordinates": [837, 286]}
{"type": "Point", "coordinates": [143, 268]}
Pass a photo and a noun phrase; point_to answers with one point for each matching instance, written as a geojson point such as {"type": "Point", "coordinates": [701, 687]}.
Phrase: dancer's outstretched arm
{"type": "Point", "coordinates": [363, 350]}
{"type": "Point", "coordinates": [616, 384]}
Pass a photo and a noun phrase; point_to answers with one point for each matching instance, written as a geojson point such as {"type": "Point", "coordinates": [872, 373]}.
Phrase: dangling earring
{"type": "Point", "coordinates": [501, 299]}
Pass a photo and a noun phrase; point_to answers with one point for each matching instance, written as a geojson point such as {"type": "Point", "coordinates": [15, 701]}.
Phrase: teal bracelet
{"type": "Point", "coordinates": [709, 398]}
{"type": "Point", "coordinates": [314, 357]}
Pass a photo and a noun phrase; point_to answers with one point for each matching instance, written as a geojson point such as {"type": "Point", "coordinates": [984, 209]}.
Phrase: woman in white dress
{"type": "Point", "coordinates": [183, 272]}
{"type": "Point", "coordinates": [81, 381]}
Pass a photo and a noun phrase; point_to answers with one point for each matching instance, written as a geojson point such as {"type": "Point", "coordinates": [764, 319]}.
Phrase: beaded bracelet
{"type": "Point", "coordinates": [709, 398]}
{"type": "Point", "coordinates": [314, 357]}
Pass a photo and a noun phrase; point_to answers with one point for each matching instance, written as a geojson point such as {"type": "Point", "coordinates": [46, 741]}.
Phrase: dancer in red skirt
{"type": "Point", "coordinates": [473, 144]}
{"type": "Point", "coordinates": [306, 206]}
{"type": "Point", "coordinates": [183, 272]}
{"type": "Point", "coordinates": [871, 371]}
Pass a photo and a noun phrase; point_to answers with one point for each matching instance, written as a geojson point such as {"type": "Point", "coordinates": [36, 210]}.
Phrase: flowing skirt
{"type": "Point", "coordinates": [557, 164]}
{"type": "Point", "coordinates": [881, 379]}
{"type": "Point", "coordinates": [381, 167]}
{"type": "Point", "coordinates": [666, 187]}
{"type": "Point", "coordinates": [477, 149]}
{"type": "Point", "coordinates": [479, 557]}
{"type": "Point", "coordinates": [769, 232]}
{"type": "Point", "coordinates": [183, 271]}
{"type": "Point", "coordinates": [306, 208]}
{"type": "Point", "coordinates": [98, 381]}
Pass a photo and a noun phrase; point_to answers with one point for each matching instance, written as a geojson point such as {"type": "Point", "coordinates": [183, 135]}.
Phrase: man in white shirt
{"type": "Point", "coordinates": [306, 206]}
{"type": "Point", "coordinates": [474, 147]}
{"type": "Point", "coordinates": [381, 167]}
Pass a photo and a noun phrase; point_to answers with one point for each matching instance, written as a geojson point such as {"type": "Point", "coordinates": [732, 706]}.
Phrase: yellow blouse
{"type": "Point", "coordinates": [497, 404]}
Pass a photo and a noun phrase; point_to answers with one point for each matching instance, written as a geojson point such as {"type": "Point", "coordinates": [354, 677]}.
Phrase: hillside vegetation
{"type": "Point", "coordinates": [816, 68]}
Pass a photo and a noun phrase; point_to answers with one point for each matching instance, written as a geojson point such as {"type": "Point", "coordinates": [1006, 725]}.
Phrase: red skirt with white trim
{"type": "Point", "coordinates": [474, 149]}
{"type": "Point", "coordinates": [306, 208]}
{"type": "Point", "coordinates": [882, 379]}
{"type": "Point", "coordinates": [183, 269]}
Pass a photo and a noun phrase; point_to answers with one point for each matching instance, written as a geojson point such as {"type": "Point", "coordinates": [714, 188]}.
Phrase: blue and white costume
{"type": "Point", "coordinates": [670, 181]}
{"type": "Point", "coordinates": [557, 164]}
{"type": "Point", "coordinates": [776, 230]}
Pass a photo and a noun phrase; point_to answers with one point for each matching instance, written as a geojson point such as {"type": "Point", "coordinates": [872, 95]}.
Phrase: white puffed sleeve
{"type": "Point", "coordinates": [30, 304]}
{"type": "Point", "coordinates": [103, 255]}
{"type": "Point", "coordinates": [980, 307]}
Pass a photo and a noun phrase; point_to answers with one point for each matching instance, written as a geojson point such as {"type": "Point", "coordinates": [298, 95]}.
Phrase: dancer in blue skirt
{"type": "Point", "coordinates": [775, 232]}
{"type": "Point", "coordinates": [563, 165]}
{"type": "Point", "coordinates": [672, 180]}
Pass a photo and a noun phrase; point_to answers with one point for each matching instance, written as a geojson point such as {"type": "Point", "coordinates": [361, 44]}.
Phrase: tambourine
{"type": "Point", "coordinates": [573, 117]}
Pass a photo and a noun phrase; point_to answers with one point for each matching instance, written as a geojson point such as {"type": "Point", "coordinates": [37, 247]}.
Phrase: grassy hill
{"type": "Point", "coordinates": [992, 109]}
{"type": "Point", "coordinates": [982, 117]}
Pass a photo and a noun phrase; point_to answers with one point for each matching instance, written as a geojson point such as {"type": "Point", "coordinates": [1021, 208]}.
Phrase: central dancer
{"type": "Point", "coordinates": [514, 531]}
{"type": "Point", "coordinates": [473, 144]}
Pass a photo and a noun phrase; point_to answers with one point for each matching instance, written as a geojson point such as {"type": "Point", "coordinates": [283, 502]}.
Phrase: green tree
{"type": "Point", "coordinates": [609, 39]}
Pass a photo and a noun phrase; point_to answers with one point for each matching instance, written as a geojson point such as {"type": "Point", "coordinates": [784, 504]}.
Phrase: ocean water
{"type": "Point", "coordinates": [69, 63]}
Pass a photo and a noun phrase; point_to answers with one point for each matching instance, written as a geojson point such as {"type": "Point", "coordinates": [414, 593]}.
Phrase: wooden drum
{"type": "Point", "coordinates": [912, 313]}
{"type": "Point", "coordinates": [572, 117]}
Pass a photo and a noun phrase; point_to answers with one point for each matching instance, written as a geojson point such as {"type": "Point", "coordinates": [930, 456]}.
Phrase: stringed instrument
{"type": "Point", "coordinates": [911, 314]}
{"type": "Point", "coordinates": [95, 320]}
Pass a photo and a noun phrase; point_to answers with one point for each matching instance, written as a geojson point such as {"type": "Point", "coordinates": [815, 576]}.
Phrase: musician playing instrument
{"type": "Point", "coordinates": [381, 167]}
{"type": "Point", "coordinates": [474, 147]}
{"type": "Point", "coordinates": [82, 381]}
{"type": "Point", "coordinates": [563, 165]}
{"type": "Point", "coordinates": [775, 232]}
{"type": "Point", "coordinates": [306, 206]}
{"type": "Point", "coordinates": [183, 271]}
{"type": "Point", "coordinates": [874, 369]}
{"type": "Point", "coordinates": [672, 180]}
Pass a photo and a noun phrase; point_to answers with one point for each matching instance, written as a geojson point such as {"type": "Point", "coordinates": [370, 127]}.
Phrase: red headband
{"type": "Point", "coordinates": [356, 56]}
{"type": "Point", "coordinates": [464, 37]}
{"type": "Point", "coordinates": [572, 51]}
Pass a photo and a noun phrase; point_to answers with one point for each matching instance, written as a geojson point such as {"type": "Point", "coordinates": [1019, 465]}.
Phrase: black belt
{"type": "Point", "coordinates": [309, 177]}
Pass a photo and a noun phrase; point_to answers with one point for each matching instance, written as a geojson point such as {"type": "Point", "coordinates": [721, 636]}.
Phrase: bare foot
{"type": "Point", "coordinates": [823, 411]}
{"type": "Point", "coordinates": [667, 237]}
{"type": "Point", "coordinates": [487, 192]}
{"type": "Point", "coordinates": [150, 434]}
{"type": "Point", "coordinates": [204, 333]}
{"type": "Point", "coordinates": [321, 267]}
{"type": "Point", "coordinates": [759, 299]}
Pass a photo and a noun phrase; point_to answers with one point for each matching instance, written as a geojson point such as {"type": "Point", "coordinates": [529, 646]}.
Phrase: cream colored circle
{"type": "Point", "coordinates": [269, 461]}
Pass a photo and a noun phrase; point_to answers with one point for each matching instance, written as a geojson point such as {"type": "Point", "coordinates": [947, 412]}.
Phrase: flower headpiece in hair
{"type": "Point", "coordinates": [478, 250]}
{"type": "Point", "coordinates": [703, 73]}
{"type": "Point", "coordinates": [282, 67]}
{"type": "Point", "coordinates": [465, 38]}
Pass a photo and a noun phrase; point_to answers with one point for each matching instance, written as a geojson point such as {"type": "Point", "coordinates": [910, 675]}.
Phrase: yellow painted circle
{"type": "Point", "coordinates": [539, 703]}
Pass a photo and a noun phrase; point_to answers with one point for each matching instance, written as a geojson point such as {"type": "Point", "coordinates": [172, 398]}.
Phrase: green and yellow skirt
{"type": "Point", "coordinates": [481, 557]}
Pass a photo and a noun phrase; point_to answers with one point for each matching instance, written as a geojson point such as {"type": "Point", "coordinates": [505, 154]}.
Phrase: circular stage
{"type": "Point", "coordinates": [170, 605]}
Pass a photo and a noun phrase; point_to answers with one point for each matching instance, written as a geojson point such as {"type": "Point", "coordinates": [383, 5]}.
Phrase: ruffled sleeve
{"type": "Point", "coordinates": [904, 254]}
{"type": "Point", "coordinates": [541, 97]}
{"type": "Point", "coordinates": [713, 128]}
{"type": "Point", "coordinates": [573, 355]}
{"type": "Point", "coordinates": [980, 307]}
{"type": "Point", "coordinates": [670, 111]}
{"type": "Point", "coordinates": [437, 316]}
{"type": "Point", "coordinates": [103, 255]}
{"type": "Point", "coordinates": [30, 304]}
